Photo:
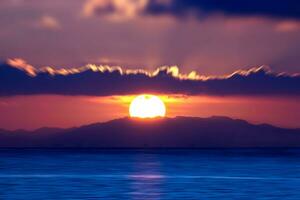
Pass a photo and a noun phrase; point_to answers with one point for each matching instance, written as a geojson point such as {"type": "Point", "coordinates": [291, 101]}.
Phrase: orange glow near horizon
{"type": "Point", "coordinates": [32, 112]}
{"type": "Point", "coordinates": [147, 106]}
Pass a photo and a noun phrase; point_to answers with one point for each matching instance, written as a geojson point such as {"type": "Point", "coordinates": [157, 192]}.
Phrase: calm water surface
{"type": "Point", "coordinates": [149, 174]}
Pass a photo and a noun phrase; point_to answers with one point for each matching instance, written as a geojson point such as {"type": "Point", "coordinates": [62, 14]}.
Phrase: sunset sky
{"type": "Point", "coordinates": [70, 63]}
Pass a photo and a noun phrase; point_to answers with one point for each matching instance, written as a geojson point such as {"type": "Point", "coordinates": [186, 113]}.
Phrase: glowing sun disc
{"type": "Point", "coordinates": [147, 106]}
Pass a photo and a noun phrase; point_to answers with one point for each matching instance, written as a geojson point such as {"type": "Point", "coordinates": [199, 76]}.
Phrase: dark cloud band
{"type": "Point", "coordinates": [22, 79]}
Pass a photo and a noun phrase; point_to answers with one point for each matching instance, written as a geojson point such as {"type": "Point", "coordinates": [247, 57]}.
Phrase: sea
{"type": "Point", "coordinates": [149, 174]}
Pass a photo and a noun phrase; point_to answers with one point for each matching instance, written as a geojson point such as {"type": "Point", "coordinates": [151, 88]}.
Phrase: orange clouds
{"type": "Point", "coordinates": [49, 22]}
{"type": "Point", "coordinates": [22, 65]}
{"type": "Point", "coordinates": [173, 71]}
{"type": "Point", "coordinates": [115, 9]}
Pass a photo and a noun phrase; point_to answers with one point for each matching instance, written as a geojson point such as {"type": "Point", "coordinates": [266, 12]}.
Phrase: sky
{"type": "Point", "coordinates": [69, 63]}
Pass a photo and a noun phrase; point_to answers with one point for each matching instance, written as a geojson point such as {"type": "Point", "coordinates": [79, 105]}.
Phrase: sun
{"type": "Point", "coordinates": [147, 106]}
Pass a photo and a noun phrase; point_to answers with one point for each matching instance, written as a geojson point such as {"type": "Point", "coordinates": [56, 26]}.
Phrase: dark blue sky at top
{"type": "Point", "coordinates": [270, 8]}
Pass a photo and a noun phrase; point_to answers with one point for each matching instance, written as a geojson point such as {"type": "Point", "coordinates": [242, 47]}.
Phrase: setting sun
{"type": "Point", "coordinates": [147, 106]}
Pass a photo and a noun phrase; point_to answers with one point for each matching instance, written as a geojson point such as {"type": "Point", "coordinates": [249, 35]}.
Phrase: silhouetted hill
{"type": "Point", "coordinates": [178, 132]}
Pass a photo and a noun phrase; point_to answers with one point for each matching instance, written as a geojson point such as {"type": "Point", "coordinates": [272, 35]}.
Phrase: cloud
{"type": "Point", "coordinates": [115, 9]}
{"type": "Point", "coordinates": [105, 81]}
{"type": "Point", "coordinates": [22, 65]}
{"type": "Point", "coordinates": [200, 8]}
{"type": "Point", "coordinates": [48, 22]}
{"type": "Point", "coordinates": [287, 26]}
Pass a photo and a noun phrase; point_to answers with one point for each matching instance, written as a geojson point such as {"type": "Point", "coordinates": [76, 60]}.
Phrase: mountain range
{"type": "Point", "coordinates": [178, 132]}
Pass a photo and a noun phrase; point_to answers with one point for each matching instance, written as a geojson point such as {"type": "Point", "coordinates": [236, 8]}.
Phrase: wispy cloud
{"type": "Point", "coordinates": [48, 22]}
{"type": "Point", "coordinates": [287, 26]}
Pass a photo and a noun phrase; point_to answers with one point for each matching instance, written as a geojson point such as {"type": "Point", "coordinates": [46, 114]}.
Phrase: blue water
{"type": "Point", "coordinates": [149, 174]}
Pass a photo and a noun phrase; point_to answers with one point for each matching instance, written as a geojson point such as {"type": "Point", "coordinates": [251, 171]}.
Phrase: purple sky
{"type": "Point", "coordinates": [73, 33]}
{"type": "Point", "coordinates": [211, 37]}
